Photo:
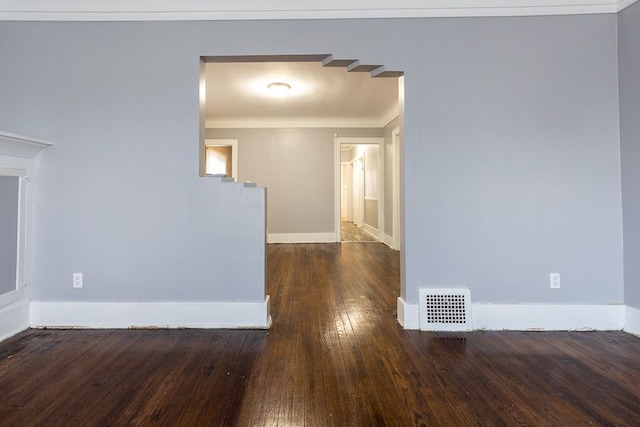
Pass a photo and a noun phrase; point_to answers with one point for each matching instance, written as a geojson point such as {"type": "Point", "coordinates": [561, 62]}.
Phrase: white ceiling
{"type": "Point", "coordinates": [237, 96]}
{"type": "Point", "coordinates": [159, 10]}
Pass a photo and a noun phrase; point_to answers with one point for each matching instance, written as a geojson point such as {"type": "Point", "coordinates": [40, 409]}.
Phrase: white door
{"type": "Point", "coordinates": [349, 184]}
{"type": "Point", "coordinates": [358, 191]}
{"type": "Point", "coordinates": [344, 191]}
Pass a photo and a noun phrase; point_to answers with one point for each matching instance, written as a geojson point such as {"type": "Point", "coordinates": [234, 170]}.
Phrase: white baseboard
{"type": "Point", "coordinates": [372, 231]}
{"type": "Point", "coordinates": [408, 316]}
{"type": "Point", "coordinates": [18, 316]}
{"type": "Point", "coordinates": [226, 315]}
{"type": "Point", "coordinates": [301, 238]}
{"type": "Point", "coordinates": [548, 317]}
{"type": "Point", "coordinates": [632, 320]}
{"type": "Point", "coordinates": [14, 318]}
{"type": "Point", "coordinates": [388, 240]}
{"type": "Point", "coordinates": [533, 317]}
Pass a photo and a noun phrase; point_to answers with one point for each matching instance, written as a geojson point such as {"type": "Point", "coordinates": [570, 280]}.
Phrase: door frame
{"type": "Point", "coordinates": [337, 142]}
{"type": "Point", "coordinates": [395, 186]}
{"type": "Point", "coordinates": [17, 291]}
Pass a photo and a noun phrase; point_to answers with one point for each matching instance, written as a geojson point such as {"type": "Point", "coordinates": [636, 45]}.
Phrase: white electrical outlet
{"type": "Point", "coordinates": [77, 280]}
{"type": "Point", "coordinates": [554, 280]}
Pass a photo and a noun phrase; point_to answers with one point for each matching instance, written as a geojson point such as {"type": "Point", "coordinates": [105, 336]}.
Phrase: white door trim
{"type": "Point", "coordinates": [395, 186]}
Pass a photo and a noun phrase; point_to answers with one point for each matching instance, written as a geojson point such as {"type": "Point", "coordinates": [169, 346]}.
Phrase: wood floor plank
{"type": "Point", "coordinates": [121, 386]}
{"type": "Point", "coordinates": [169, 358]}
{"type": "Point", "coordinates": [21, 384]}
{"type": "Point", "coordinates": [603, 398]}
{"type": "Point", "coordinates": [350, 232]}
{"type": "Point", "coordinates": [335, 356]}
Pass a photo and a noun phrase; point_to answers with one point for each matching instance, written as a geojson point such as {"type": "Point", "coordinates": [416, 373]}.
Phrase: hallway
{"type": "Point", "coordinates": [349, 232]}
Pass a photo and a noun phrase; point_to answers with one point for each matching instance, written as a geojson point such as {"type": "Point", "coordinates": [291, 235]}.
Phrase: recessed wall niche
{"type": "Point", "coordinates": [9, 211]}
{"type": "Point", "coordinates": [16, 168]}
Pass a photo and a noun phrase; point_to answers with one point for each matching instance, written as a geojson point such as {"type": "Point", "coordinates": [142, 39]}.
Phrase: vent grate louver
{"type": "Point", "coordinates": [445, 309]}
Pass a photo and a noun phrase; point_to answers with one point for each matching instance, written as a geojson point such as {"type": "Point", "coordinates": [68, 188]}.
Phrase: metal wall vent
{"type": "Point", "coordinates": [445, 309]}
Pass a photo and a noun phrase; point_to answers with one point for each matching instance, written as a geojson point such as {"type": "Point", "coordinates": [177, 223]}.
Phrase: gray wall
{"type": "Point", "coordinates": [629, 54]}
{"type": "Point", "coordinates": [297, 167]}
{"type": "Point", "coordinates": [371, 213]}
{"type": "Point", "coordinates": [9, 187]}
{"type": "Point", "coordinates": [512, 160]}
{"type": "Point", "coordinates": [345, 156]}
{"type": "Point", "coordinates": [511, 141]}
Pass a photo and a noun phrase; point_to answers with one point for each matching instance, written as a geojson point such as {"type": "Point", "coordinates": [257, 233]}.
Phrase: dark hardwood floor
{"type": "Point", "coordinates": [335, 356]}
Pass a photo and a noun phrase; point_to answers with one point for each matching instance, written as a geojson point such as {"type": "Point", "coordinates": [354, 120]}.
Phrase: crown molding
{"type": "Point", "coordinates": [21, 146]}
{"type": "Point", "coordinates": [300, 122]}
{"type": "Point", "coordinates": [202, 10]}
{"type": "Point", "coordinates": [292, 123]}
{"type": "Point", "coordinates": [391, 118]}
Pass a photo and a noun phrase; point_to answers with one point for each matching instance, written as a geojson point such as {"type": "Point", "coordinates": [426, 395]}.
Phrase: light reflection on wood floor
{"type": "Point", "coordinates": [334, 356]}
{"type": "Point", "coordinates": [350, 232]}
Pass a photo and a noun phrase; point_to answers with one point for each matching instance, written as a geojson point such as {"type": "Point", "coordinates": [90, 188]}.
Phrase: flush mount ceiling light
{"type": "Point", "coordinates": [279, 87]}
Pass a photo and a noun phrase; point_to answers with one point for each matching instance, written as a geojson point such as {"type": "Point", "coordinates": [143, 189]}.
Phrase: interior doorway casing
{"type": "Point", "coordinates": [395, 162]}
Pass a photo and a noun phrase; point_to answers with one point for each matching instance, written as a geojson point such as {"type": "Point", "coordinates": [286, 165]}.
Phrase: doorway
{"type": "Point", "coordinates": [221, 157]}
{"type": "Point", "coordinates": [271, 132]}
{"type": "Point", "coordinates": [360, 195]}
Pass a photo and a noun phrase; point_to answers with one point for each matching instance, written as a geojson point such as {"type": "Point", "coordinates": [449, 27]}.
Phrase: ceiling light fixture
{"type": "Point", "coordinates": [279, 87]}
